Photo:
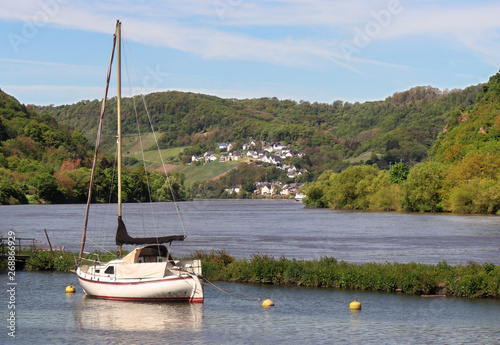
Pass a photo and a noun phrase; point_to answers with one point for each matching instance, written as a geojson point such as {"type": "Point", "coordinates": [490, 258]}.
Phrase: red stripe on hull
{"type": "Point", "coordinates": [178, 299]}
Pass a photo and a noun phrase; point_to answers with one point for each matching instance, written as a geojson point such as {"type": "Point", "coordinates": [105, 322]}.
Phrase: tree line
{"type": "Point", "coordinates": [462, 174]}
{"type": "Point", "coordinates": [45, 151]}
{"type": "Point", "coordinates": [42, 160]}
{"type": "Point", "coordinates": [403, 127]}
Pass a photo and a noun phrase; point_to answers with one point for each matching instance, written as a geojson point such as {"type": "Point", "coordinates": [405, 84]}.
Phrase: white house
{"type": "Point", "coordinates": [277, 147]}
{"type": "Point", "coordinates": [234, 189]}
{"type": "Point", "coordinates": [234, 156]}
{"type": "Point", "coordinates": [291, 189]}
{"type": "Point", "coordinates": [222, 146]}
{"type": "Point", "coordinates": [209, 157]}
{"type": "Point", "coordinates": [267, 148]}
{"type": "Point", "coordinates": [266, 189]}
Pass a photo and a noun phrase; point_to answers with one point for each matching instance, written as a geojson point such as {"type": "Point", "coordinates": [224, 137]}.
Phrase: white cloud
{"type": "Point", "coordinates": [225, 29]}
{"type": "Point", "coordinates": [47, 64]}
{"type": "Point", "coordinates": [206, 38]}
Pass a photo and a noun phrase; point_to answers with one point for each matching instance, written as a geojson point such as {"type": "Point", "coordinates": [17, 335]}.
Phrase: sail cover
{"type": "Point", "coordinates": [122, 237]}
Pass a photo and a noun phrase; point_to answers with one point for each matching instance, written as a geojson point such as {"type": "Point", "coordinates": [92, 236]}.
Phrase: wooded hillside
{"type": "Point", "coordinates": [403, 127]}
{"type": "Point", "coordinates": [333, 137]}
{"type": "Point", "coordinates": [461, 175]}
{"type": "Point", "coordinates": [44, 160]}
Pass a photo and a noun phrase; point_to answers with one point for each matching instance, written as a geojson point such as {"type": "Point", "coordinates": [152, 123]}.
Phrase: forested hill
{"type": "Point", "coordinates": [462, 176]}
{"type": "Point", "coordinates": [370, 155]}
{"type": "Point", "coordinates": [43, 160]}
{"type": "Point", "coordinates": [472, 131]}
{"type": "Point", "coordinates": [33, 147]}
{"type": "Point", "coordinates": [403, 127]}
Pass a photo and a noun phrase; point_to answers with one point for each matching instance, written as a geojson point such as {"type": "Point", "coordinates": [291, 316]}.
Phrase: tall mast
{"type": "Point", "coordinates": [98, 140]}
{"type": "Point", "coordinates": [119, 115]}
{"type": "Point", "coordinates": [119, 122]}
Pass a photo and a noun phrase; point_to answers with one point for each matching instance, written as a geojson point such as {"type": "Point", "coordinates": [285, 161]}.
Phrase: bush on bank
{"type": "Point", "coordinates": [471, 280]}
{"type": "Point", "coordinates": [60, 261]}
{"type": "Point", "coordinates": [428, 187]}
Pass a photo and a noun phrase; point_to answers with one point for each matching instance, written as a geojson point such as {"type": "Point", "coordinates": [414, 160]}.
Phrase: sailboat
{"type": "Point", "coordinates": [148, 272]}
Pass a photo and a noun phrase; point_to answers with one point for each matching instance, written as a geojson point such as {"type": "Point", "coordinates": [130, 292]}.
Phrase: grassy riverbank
{"type": "Point", "coordinates": [471, 280]}
{"type": "Point", "coordinates": [60, 261]}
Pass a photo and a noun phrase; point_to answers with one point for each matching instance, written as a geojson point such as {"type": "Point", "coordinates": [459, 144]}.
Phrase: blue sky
{"type": "Point", "coordinates": [57, 51]}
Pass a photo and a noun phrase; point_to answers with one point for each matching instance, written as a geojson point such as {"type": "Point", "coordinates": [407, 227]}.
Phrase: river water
{"type": "Point", "coordinates": [274, 227]}
{"type": "Point", "coordinates": [45, 314]}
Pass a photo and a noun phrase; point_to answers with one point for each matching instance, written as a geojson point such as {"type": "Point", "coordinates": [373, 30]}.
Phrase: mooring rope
{"type": "Point", "coordinates": [231, 292]}
{"type": "Point", "coordinates": [102, 248]}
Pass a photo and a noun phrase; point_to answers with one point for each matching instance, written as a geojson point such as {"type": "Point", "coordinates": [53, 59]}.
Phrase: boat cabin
{"type": "Point", "coordinates": [147, 254]}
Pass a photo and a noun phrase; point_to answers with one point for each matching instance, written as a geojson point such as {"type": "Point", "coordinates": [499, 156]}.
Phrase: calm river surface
{"type": "Point", "coordinates": [46, 315]}
{"type": "Point", "coordinates": [275, 227]}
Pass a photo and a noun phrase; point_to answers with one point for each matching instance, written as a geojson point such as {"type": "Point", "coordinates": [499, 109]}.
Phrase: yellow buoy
{"type": "Point", "coordinates": [70, 289]}
{"type": "Point", "coordinates": [355, 305]}
{"type": "Point", "coordinates": [267, 303]}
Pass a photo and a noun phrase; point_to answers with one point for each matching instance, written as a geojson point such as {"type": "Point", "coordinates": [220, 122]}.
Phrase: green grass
{"type": "Point", "coordinates": [207, 171]}
{"type": "Point", "coordinates": [132, 145]}
{"type": "Point", "coordinates": [193, 172]}
{"type": "Point", "coordinates": [152, 157]}
{"type": "Point", "coordinates": [471, 280]}
{"type": "Point", "coordinates": [362, 157]}
{"type": "Point", "coordinates": [61, 261]}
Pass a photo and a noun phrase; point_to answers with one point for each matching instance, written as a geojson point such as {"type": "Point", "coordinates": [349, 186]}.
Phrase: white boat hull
{"type": "Point", "coordinates": [183, 288]}
{"type": "Point", "coordinates": [133, 279]}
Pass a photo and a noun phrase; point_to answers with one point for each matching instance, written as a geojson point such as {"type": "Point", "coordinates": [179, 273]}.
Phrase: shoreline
{"type": "Point", "coordinates": [471, 281]}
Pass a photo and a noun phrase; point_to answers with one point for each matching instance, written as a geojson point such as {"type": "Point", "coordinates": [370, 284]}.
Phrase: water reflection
{"type": "Point", "coordinates": [109, 315]}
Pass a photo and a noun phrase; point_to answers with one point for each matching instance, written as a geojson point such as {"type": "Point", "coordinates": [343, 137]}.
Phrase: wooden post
{"type": "Point", "coordinates": [50, 245]}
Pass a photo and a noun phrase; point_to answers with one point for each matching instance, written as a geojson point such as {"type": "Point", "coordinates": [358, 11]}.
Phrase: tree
{"type": "Point", "coordinates": [47, 187]}
{"type": "Point", "coordinates": [422, 191]}
{"type": "Point", "coordinates": [350, 188]}
{"type": "Point", "coordinates": [384, 195]}
{"type": "Point", "coordinates": [75, 183]}
{"type": "Point", "coordinates": [10, 191]}
{"type": "Point", "coordinates": [3, 131]}
{"type": "Point", "coordinates": [173, 188]}
{"type": "Point", "coordinates": [315, 191]}
{"type": "Point", "coordinates": [138, 185]}
{"type": "Point", "coordinates": [399, 173]}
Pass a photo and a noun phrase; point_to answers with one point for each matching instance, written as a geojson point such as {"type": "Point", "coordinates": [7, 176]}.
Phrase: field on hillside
{"type": "Point", "coordinates": [207, 171]}
{"type": "Point", "coordinates": [193, 172]}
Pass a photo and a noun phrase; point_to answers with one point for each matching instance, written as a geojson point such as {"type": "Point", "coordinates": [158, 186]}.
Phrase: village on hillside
{"type": "Point", "coordinates": [272, 153]}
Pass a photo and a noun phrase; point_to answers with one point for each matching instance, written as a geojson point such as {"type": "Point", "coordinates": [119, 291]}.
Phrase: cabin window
{"type": "Point", "coordinates": [150, 258]}
{"type": "Point", "coordinates": [110, 270]}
